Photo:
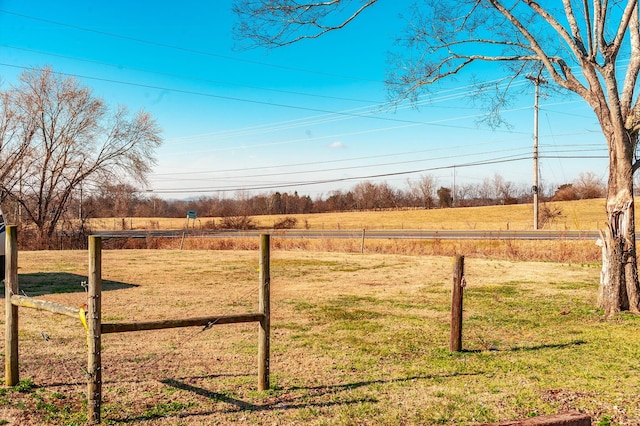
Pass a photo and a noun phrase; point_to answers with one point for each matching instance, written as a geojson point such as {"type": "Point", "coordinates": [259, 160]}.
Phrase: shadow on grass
{"type": "Point", "coordinates": [40, 283]}
{"type": "Point", "coordinates": [288, 402]}
{"type": "Point", "coordinates": [528, 348]}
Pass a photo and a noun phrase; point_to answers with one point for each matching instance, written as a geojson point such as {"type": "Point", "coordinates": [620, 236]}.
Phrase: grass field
{"type": "Point", "coordinates": [576, 215]}
{"type": "Point", "coordinates": [579, 215]}
{"type": "Point", "coordinates": [356, 339]}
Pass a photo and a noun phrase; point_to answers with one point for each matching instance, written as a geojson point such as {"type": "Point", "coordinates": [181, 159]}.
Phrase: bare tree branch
{"type": "Point", "coordinates": [283, 22]}
{"type": "Point", "coordinates": [55, 135]}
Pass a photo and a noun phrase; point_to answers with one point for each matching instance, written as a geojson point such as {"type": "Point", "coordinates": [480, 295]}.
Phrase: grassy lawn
{"type": "Point", "coordinates": [356, 339]}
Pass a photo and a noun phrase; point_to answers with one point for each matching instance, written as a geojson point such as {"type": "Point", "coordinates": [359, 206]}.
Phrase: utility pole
{"type": "Point", "coordinates": [535, 188]}
{"type": "Point", "coordinates": [453, 196]}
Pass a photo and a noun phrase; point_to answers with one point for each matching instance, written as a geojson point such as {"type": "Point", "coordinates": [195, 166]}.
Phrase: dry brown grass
{"type": "Point", "coordinates": [578, 215]}
{"type": "Point", "coordinates": [573, 251]}
{"type": "Point", "coordinates": [357, 339]}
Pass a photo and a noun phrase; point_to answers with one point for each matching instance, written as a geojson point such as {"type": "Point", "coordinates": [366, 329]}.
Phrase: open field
{"type": "Point", "coordinates": [356, 339]}
{"type": "Point", "coordinates": [578, 215]}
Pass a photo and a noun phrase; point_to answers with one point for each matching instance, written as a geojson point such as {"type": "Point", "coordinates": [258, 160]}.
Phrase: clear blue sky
{"type": "Point", "coordinates": [278, 120]}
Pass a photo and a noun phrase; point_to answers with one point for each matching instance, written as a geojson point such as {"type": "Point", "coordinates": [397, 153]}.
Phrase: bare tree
{"type": "Point", "coordinates": [425, 190]}
{"type": "Point", "coordinates": [466, 194]}
{"type": "Point", "coordinates": [589, 185]}
{"type": "Point", "coordinates": [575, 44]}
{"type": "Point", "coordinates": [55, 136]}
{"type": "Point", "coordinates": [366, 195]}
{"type": "Point", "coordinates": [485, 192]}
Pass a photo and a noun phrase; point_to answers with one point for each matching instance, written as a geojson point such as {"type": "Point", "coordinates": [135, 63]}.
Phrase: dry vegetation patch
{"type": "Point", "coordinates": [579, 215]}
{"type": "Point", "coordinates": [356, 339]}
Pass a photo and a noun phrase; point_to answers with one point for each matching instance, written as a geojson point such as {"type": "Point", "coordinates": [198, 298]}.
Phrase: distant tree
{"type": "Point", "coordinates": [118, 200]}
{"type": "Point", "coordinates": [503, 191]}
{"type": "Point", "coordinates": [425, 190]}
{"type": "Point", "coordinates": [366, 195]}
{"type": "Point", "coordinates": [387, 196]}
{"type": "Point", "coordinates": [275, 203]}
{"type": "Point", "coordinates": [589, 185]}
{"type": "Point", "coordinates": [565, 192]}
{"type": "Point", "coordinates": [152, 206]}
{"type": "Point", "coordinates": [56, 137]}
{"type": "Point", "coordinates": [340, 201]}
{"type": "Point", "coordinates": [444, 197]}
{"type": "Point", "coordinates": [334, 202]}
{"type": "Point", "coordinates": [485, 192]}
{"type": "Point", "coordinates": [466, 194]}
{"type": "Point", "coordinates": [305, 205]}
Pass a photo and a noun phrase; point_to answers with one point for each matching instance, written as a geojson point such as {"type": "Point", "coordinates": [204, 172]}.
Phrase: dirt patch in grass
{"type": "Point", "coordinates": [356, 339]}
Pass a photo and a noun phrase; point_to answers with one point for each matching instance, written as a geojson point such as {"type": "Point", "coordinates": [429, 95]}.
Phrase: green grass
{"type": "Point", "coordinates": [356, 339]}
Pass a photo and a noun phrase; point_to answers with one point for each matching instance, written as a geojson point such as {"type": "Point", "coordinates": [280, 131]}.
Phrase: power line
{"type": "Point", "coordinates": [329, 116]}
{"type": "Point", "coordinates": [281, 166]}
{"type": "Point", "coordinates": [324, 181]}
{"type": "Point", "coordinates": [459, 93]}
{"type": "Point", "coordinates": [335, 169]}
{"type": "Point", "coordinates": [236, 99]}
{"type": "Point", "coordinates": [184, 49]}
{"type": "Point", "coordinates": [289, 184]}
{"type": "Point", "coordinates": [204, 80]}
{"type": "Point", "coordinates": [368, 115]}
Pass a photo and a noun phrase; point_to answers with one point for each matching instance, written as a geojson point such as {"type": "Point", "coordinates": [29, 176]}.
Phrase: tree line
{"type": "Point", "coordinates": [124, 200]}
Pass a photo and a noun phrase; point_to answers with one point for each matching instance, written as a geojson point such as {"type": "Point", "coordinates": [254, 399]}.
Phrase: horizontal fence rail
{"type": "Point", "coordinates": [415, 234]}
{"type": "Point", "coordinates": [176, 323]}
{"type": "Point", "coordinates": [45, 305]}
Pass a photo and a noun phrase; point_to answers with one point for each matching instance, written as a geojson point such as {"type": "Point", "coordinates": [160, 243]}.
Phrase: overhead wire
{"type": "Point", "coordinates": [339, 160]}
{"type": "Point", "coordinates": [368, 115]}
{"type": "Point", "coordinates": [335, 169]}
{"type": "Point", "coordinates": [184, 49]}
{"type": "Point", "coordinates": [328, 116]}
{"type": "Point", "coordinates": [203, 80]}
{"type": "Point", "coordinates": [263, 186]}
{"type": "Point", "coordinates": [178, 48]}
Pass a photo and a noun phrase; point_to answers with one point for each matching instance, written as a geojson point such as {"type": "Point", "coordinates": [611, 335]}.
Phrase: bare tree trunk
{"type": "Point", "coordinates": [619, 288]}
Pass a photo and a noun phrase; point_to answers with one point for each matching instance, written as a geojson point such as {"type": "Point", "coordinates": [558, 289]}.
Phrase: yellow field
{"type": "Point", "coordinates": [578, 215]}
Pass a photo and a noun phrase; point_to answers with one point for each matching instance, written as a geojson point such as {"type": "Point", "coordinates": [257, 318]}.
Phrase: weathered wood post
{"type": "Point", "coordinates": [265, 309]}
{"type": "Point", "coordinates": [11, 371]}
{"type": "Point", "coordinates": [94, 367]}
{"type": "Point", "coordinates": [455, 341]}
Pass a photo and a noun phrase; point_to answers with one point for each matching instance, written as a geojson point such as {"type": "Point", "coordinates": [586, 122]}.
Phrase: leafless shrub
{"type": "Point", "coordinates": [209, 224]}
{"type": "Point", "coordinates": [549, 215]}
{"type": "Point", "coordinates": [286, 223]}
{"type": "Point", "coordinates": [237, 222]}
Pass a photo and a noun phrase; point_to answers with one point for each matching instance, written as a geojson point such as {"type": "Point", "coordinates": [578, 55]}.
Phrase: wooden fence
{"type": "Point", "coordinates": [95, 328]}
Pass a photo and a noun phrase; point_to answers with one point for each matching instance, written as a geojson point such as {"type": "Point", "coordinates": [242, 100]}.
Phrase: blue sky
{"type": "Point", "coordinates": [311, 117]}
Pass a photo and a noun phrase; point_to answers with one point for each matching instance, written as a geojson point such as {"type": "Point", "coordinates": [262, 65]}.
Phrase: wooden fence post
{"type": "Point", "coordinates": [11, 370]}
{"type": "Point", "coordinates": [265, 309]}
{"type": "Point", "coordinates": [94, 367]}
{"type": "Point", "coordinates": [455, 341]}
